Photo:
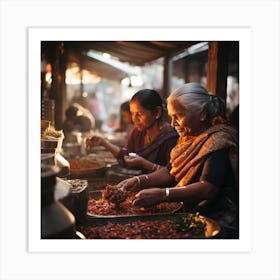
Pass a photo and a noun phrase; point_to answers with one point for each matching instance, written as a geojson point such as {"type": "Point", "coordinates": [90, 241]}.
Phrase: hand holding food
{"type": "Point", "coordinates": [117, 202]}
{"type": "Point", "coordinates": [94, 141]}
{"type": "Point", "coordinates": [133, 160]}
{"type": "Point", "coordinates": [149, 197]}
{"type": "Point", "coordinates": [114, 195]}
{"type": "Point", "coordinates": [130, 184]}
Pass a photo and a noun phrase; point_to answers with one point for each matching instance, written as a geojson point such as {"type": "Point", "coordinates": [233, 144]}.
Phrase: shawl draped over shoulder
{"type": "Point", "coordinates": [191, 152]}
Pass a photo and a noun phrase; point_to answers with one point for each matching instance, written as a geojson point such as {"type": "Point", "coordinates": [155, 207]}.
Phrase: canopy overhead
{"type": "Point", "coordinates": [134, 52]}
{"type": "Point", "coordinates": [217, 57]}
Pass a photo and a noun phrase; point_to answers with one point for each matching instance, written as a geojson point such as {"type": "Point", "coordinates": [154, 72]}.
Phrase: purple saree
{"type": "Point", "coordinates": [157, 151]}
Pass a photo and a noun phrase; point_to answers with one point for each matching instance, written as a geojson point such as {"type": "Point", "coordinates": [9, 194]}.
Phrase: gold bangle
{"type": "Point", "coordinates": [167, 193]}
{"type": "Point", "coordinates": [147, 178]}
{"type": "Point", "coordinates": [138, 179]}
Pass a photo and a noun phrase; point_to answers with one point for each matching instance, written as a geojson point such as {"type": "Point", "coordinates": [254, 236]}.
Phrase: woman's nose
{"type": "Point", "coordinates": [135, 119]}
{"type": "Point", "coordinates": [173, 122]}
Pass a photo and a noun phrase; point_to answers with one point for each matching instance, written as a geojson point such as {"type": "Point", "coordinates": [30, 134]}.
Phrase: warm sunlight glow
{"type": "Point", "coordinates": [74, 76]}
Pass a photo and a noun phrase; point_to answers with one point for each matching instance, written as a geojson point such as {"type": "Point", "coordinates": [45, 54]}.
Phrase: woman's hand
{"type": "Point", "coordinates": [94, 141]}
{"type": "Point", "coordinates": [133, 161]}
{"type": "Point", "coordinates": [149, 197]}
{"type": "Point", "coordinates": [131, 184]}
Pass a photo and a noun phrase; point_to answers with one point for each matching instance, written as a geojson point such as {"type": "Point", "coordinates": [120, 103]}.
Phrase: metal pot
{"type": "Point", "coordinates": [77, 201]}
{"type": "Point", "coordinates": [48, 159]}
{"type": "Point", "coordinates": [57, 222]}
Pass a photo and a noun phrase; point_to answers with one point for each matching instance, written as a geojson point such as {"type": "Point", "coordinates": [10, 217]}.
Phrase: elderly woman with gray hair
{"type": "Point", "coordinates": [203, 169]}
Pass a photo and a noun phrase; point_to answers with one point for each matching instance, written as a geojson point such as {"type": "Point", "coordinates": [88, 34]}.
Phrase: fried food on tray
{"type": "Point", "coordinates": [155, 229]}
{"type": "Point", "coordinates": [107, 205]}
{"type": "Point", "coordinates": [114, 195]}
{"type": "Point", "coordinates": [134, 230]}
{"type": "Point", "coordinates": [78, 164]}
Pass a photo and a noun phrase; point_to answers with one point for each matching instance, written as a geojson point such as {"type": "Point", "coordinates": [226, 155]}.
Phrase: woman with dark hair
{"type": "Point", "coordinates": [203, 170]}
{"type": "Point", "coordinates": [126, 123]}
{"type": "Point", "coordinates": [78, 119]}
{"type": "Point", "coordinates": [151, 139]}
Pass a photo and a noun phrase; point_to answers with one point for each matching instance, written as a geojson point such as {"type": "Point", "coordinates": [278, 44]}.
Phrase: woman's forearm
{"type": "Point", "coordinates": [159, 178]}
{"type": "Point", "coordinates": [149, 166]}
{"type": "Point", "coordinates": [115, 150]}
{"type": "Point", "coordinates": [193, 193]}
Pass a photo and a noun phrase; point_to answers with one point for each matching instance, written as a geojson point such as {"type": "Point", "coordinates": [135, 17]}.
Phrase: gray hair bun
{"type": "Point", "coordinates": [194, 96]}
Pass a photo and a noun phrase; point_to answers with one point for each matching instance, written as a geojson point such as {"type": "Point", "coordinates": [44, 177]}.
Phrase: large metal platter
{"type": "Point", "coordinates": [213, 230]}
{"type": "Point", "coordinates": [102, 156]}
{"type": "Point", "coordinates": [100, 168]}
{"type": "Point", "coordinates": [122, 172]}
{"type": "Point", "coordinates": [172, 207]}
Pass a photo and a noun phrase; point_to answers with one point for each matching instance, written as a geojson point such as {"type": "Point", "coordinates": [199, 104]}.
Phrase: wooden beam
{"type": "Point", "coordinates": [58, 87]}
{"type": "Point", "coordinates": [217, 71]}
{"type": "Point", "coordinates": [167, 77]}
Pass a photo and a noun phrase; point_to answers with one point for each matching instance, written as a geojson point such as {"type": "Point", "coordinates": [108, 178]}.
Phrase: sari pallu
{"type": "Point", "coordinates": [158, 151]}
{"type": "Point", "coordinates": [189, 156]}
{"type": "Point", "coordinates": [191, 152]}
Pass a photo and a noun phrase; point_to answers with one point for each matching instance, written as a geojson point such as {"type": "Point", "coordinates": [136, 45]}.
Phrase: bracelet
{"type": "Point", "coordinates": [167, 193]}
{"type": "Point", "coordinates": [138, 179]}
{"type": "Point", "coordinates": [155, 167]}
{"type": "Point", "coordinates": [147, 178]}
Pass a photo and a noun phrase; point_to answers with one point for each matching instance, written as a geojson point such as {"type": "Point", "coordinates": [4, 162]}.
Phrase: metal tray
{"type": "Point", "coordinates": [97, 195]}
{"type": "Point", "coordinates": [213, 230]}
{"type": "Point", "coordinates": [100, 169]}
{"type": "Point", "coordinates": [122, 172]}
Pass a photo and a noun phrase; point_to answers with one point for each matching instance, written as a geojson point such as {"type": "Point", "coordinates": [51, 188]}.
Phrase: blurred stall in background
{"type": "Point", "coordinates": [100, 76]}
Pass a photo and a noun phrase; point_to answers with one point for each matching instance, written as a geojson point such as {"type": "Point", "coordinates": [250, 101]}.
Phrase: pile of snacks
{"type": "Point", "coordinates": [107, 207]}
{"type": "Point", "coordinates": [156, 229]}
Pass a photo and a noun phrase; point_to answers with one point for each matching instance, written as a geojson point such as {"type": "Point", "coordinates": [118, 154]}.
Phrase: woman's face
{"type": "Point", "coordinates": [141, 117]}
{"type": "Point", "coordinates": [126, 117]}
{"type": "Point", "coordinates": [186, 123]}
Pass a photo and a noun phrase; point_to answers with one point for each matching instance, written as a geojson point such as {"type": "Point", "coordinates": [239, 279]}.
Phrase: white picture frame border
{"type": "Point", "coordinates": [261, 261]}
{"type": "Point", "coordinates": [243, 35]}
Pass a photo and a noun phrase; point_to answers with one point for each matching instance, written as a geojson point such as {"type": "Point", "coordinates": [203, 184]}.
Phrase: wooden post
{"type": "Point", "coordinates": [58, 88]}
{"type": "Point", "coordinates": [81, 61]}
{"type": "Point", "coordinates": [217, 71]}
{"type": "Point", "coordinates": [167, 77]}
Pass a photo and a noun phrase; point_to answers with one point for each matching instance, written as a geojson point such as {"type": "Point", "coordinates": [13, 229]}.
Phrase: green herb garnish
{"type": "Point", "coordinates": [191, 224]}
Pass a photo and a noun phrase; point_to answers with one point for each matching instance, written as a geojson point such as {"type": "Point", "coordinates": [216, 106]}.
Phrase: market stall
{"type": "Point", "coordinates": [96, 211]}
{"type": "Point", "coordinates": [91, 173]}
{"type": "Point", "coordinates": [83, 192]}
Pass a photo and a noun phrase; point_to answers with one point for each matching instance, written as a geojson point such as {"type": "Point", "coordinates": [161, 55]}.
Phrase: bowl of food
{"type": "Point", "coordinates": [83, 166]}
